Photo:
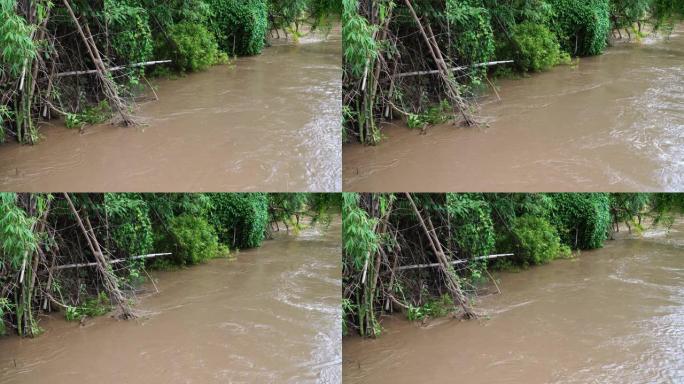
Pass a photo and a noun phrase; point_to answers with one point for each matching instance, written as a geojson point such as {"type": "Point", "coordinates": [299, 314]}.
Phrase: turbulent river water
{"type": "Point", "coordinates": [270, 122]}
{"type": "Point", "coordinates": [614, 122]}
{"type": "Point", "coordinates": [271, 316]}
{"type": "Point", "coordinates": [613, 315]}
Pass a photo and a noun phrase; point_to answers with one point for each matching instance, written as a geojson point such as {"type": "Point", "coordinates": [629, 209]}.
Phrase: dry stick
{"type": "Point", "coordinates": [452, 284]}
{"type": "Point", "coordinates": [109, 280]}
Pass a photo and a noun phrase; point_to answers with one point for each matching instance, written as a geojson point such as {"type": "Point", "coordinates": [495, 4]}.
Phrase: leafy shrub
{"type": "Point", "coordinates": [434, 308]}
{"type": "Point", "coordinates": [436, 114]}
{"type": "Point", "coordinates": [471, 224]}
{"type": "Point", "coordinates": [96, 306]}
{"type": "Point", "coordinates": [582, 26]}
{"type": "Point", "coordinates": [239, 25]}
{"type": "Point", "coordinates": [15, 40]}
{"type": "Point", "coordinates": [129, 219]}
{"type": "Point", "coordinates": [240, 219]}
{"type": "Point", "coordinates": [357, 38]}
{"type": "Point", "coordinates": [537, 241]}
{"type": "Point", "coordinates": [90, 115]}
{"type": "Point", "coordinates": [192, 239]}
{"type": "Point", "coordinates": [131, 37]}
{"type": "Point", "coordinates": [192, 47]}
{"type": "Point", "coordinates": [582, 219]}
{"type": "Point", "coordinates": [535, 47]}
{"type": "Point", "coordinates": [471, 22]}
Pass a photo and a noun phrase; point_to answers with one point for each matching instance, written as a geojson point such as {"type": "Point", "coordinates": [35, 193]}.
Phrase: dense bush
{"type": "Point", "coordinates": [471, 224]}
{"type": "Point", "coordinates": [192, 239]}
{"type": "Point", "coordinates": [470, 22]}
{"type": "Point", "coordinates": [535, 47]}
{"type": "Point", "coordinates": [239, 25]}
{"type": "Point", "coordinates": [582, 26]}
{"type": "Point", "coordinates": [582, 219]}
{"type": "Point", "coordinates": [129, 218]}
{"type": "Point", "coordinates": [536, 241]}
{"type": "Point", "coordinates": [240, 218]}
{"type": "Point", "coordinates": [130, 30]}
{"type": "Point", "coordinates": [192, 47]}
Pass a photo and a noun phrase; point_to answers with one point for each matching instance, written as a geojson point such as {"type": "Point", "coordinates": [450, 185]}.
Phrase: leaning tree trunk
{"type": "Point", "coordinates": [453, 284]}
{"type": "Point", "coordinates": [110, 282]}
{"type": "Point", "coordinates": [108, 86]}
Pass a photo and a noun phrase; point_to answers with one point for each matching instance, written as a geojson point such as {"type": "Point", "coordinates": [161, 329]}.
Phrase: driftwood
{"type": "Point", "coordinates": [454, 69]}
{"type": "Point", "coordinates": [115, 261]}
{"type": "Point", "coordinates": [456, 262]}
{"type": "Point", "coordinates": [112, 69]}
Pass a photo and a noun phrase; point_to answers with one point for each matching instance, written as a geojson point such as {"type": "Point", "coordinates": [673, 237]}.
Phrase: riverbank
{"type": "Point", "coordinates": [610, 123]}
{"type": "Point", "coordinates": [270, 315]}
{"type": "Point", "coordinates": [609, 315]}
{"type": "Point", "coordinates": [267, 122]}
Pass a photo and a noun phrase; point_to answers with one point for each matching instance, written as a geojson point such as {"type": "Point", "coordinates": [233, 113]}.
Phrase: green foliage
{"type": "Point", "coordinates": [536, 241]}
{"type": "Point", "coordinates": [5, 308]}
{"type": "Point", "coordinates": [192, 47]}
{"type": "Point", "coordinates": [434, 308]}
{"type": "Point", "coordinates": [129, 218]}
{"type": "Point", "coordinates": [240, 219]}
{"type": "Point", "coordinates": [17, 239]}
{"type": "Point", "coordinates": [192, 239]}
{"type": "Point", "coordinates": [471, 25]}
{"type": "Point", "coordinates": [239, 25]}
{"type": "Point", "coordinates": [471, 225]}
{"type": "Point", "coordinates": [130, 30]}
{"type": "Point", "coordinates": [535, 47]}
{"type": "Point", "coordinates": [357, 39]}
{"type": "Point", "coordinates": [95, 306]}
{"type": "Point", "coordinates": [91, 115]}
{"type": "Point", "coordinates": [437, 114]}
{"type": "Point", "coordinates": [582, 26]}
{"type": "Point", "coordinates": [16, 45]}
{"type": "Point", "coordinates": [582, 219]}
{"type": "Point", "coordinates": [360, 239]}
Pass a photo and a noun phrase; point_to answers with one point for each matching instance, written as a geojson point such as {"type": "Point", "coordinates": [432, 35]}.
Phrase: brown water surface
{"type": "Point", "coordinates": [614, 122]}
{"type": "Point", "coordinates": [271, 316]}
{"type": "Point", "coordinates": [270, 122]}
{"type": "Point", "coordinates": [614, 315]}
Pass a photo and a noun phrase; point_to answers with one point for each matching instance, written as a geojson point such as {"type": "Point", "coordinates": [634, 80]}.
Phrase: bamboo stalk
{"type": "Point", "coordinates": [454, 69]}
{"type": "Point", "coordinates": [455, 262]}
{"type": "Point", "coordinates": [112, 69]}
{"type": "Point", "coordinates": [115, 261]}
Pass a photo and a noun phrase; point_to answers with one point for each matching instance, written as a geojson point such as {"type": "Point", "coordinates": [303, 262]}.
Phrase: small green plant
{"type": "Point", "coordinates": [437, 307]}
{"type": "Point", "coordinates": [436, 114]}
{"type": "Point", "coordinates": [5, 307]}
{"type": "Point", "coordinates": [91, 115]}
{"type": "Point", "coordinates": [96, 306]}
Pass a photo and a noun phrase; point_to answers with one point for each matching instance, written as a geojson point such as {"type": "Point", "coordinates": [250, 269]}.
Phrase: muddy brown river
{"type": "Point", "coordinates": [271, 316]}
{"type": "Point", "coordinates": [268, 123]}
{"type": "Point", "coordinates": [614, 122]}
{"type": "Point", "coordinates": [613, 315]}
